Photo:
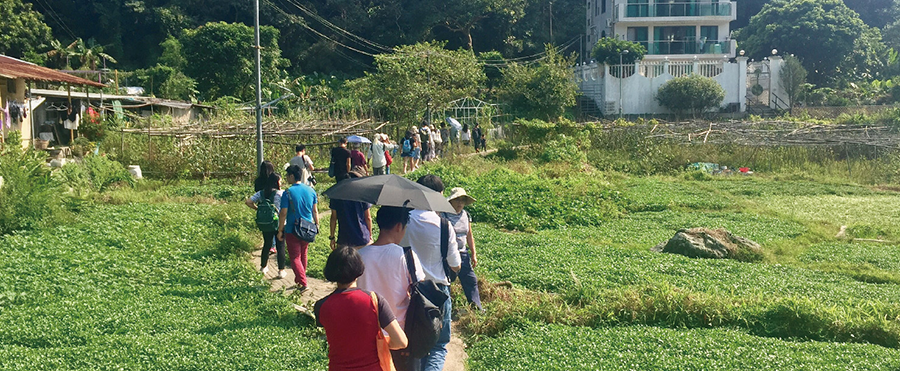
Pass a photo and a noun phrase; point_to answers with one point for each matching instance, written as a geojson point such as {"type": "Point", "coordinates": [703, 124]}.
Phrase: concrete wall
{"type": "Point", "coordinates": [20, 87]}
{"type": "Point", "coordinates": [641, 82]}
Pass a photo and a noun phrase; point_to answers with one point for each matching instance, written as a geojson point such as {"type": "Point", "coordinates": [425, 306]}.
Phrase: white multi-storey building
{"type": "Point", "coordinates": [682, 37]}
{"type": "Point", "coordinates": [676, 29]}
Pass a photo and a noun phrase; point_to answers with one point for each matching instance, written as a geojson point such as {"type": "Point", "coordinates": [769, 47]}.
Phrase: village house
{"type": "Point", "coordinates": [43, 116]}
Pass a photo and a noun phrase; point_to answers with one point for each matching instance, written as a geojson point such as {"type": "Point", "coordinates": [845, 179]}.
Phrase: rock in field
{"type": "Point", "coordinates": [711, 244]}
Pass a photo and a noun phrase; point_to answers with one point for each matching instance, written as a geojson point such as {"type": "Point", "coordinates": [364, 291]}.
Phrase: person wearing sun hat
{"type": "Point", "coordinates": [461, 224]}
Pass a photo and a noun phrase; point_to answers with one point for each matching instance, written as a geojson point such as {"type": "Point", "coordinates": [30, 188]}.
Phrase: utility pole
{"type": "Point", "coordinates": [259, 138]}
{"type": "Point", "coordinates": [551, 22]}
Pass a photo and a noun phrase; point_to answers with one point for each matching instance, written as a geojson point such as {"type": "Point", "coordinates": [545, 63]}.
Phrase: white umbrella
{"type": "Point", "coordinates": [358, 139]}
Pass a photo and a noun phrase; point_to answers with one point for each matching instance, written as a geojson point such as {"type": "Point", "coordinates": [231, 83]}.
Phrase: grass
{"type": "Point", "coordinates": [556, 347]}
{"type": "Point", "coordinates": [146, 286]}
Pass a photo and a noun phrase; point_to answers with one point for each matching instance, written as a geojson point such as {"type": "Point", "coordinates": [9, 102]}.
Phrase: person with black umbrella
{"type": "Point", "coordinates": [423, 234]}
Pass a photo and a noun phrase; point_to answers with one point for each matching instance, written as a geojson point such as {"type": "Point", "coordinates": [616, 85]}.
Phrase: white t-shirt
{"type": "Point", "coordinates": [258, 196]}
{"type": "Point", "coordinates": [305, 164]}
{"type": "Point", "coordinates": [387, 275]}
{"type": "Point", "coordinates": [423, 233]}
{"type": "Point", "coordinates": [466, 135]}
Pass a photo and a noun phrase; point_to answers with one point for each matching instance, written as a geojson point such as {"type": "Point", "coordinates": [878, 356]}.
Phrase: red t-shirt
{"type": "Point", "coordinates": [357, 158]}
{"type": "Point", "coordinates": [348, 317]}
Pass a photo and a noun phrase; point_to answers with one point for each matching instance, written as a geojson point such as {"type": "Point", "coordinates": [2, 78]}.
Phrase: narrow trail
{"type": "Point", "coordinates": [456, 350]}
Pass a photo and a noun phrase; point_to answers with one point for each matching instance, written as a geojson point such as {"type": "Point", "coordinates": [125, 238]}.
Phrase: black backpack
{"type": "Point", "coordinates": [425, 315]}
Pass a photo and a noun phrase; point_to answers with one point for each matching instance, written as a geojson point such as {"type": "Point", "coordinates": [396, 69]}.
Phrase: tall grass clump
{"type": "Point", "coordinates": [28, 195]}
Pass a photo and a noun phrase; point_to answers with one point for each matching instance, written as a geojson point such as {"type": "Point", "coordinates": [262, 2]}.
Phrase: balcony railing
{"type": "Point", "coordinates": [678, 9]}
{"type": "Point", "coordinates": [687, 47]}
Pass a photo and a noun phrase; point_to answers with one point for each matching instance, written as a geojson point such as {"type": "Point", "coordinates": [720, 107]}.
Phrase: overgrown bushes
{"type": "Point", "coordinates": [28, 195]}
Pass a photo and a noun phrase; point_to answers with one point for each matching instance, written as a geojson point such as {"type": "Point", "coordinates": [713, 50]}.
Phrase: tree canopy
{"type": "Point", "coordinates": [540, 91]}
{"type": "Point", "coordinates": [220, 57]}
{"type": "Point", "coordinates": [819, 32]}
{"type": "Point", "coordinates": [22, 30]}
{"type": "Point", "coordinates": [421, 76]}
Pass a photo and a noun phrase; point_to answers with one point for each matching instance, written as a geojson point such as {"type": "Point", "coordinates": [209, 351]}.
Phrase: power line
{"type": "Point", "coordinates": [372, 44]}
{"type": "Point", "coordinates": [52, 13]}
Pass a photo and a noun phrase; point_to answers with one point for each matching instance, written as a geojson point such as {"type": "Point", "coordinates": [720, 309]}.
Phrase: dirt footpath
{"type": "Point", "coordinates": [456, 350]}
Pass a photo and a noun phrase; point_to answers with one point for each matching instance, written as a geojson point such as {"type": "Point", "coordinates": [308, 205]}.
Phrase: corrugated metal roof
{"type": "Point", "coordinates": [110, 97]}
{"type": "Point", "coordinates": [14, 68]}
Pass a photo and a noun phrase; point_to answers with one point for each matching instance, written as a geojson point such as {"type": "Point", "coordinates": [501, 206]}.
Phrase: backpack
{"type": "Point", "coordinates": [425, 315]}
{"type": "Point", "coordinates": [266, 215]}
{"type": "Point", "coordinates": [407, 146]}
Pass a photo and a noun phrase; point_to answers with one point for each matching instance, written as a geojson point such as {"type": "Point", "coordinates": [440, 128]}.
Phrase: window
{"type": "Point", "coordinates": [638, 8]}
{"type": "Point", "coordinates": [674, 40]}
{"type": "Point", "coordinates": [11, 86]}
{"type": "Point", "coordinates": [603, 6]}
{"type": "Point", "coordinates": [637, 34]}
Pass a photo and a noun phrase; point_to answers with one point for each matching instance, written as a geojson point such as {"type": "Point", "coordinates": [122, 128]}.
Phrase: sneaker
{"type": "Point", "coordinates": [282, 274]}
{"type": "Point", "coordinates": [273, 251]}
{"type": "Point", "coordinates": [264, 270]}
{"type": "Point", "coordinates": [302, 289]}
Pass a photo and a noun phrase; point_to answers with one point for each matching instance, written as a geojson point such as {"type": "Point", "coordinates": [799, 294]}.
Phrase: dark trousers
{"type": "Point", "coordinates": [467, 279]}
{"type": "Point", "coordinates": [268, 237]}
{"type": "Point", "coordinates": [378, 170]}
{"type": "Point", "coordinates": [403, 362]}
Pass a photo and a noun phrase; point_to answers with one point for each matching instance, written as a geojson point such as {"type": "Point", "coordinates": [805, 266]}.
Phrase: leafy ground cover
{"type": "Point", "coordinates": [555, 347]}
{"type": "Point", "coordinates": [146, 286]}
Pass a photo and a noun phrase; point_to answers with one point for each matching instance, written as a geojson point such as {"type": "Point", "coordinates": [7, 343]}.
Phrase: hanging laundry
{"type": "Point", "coordinates": [71, 122]}
{"type": "Point", "coordinates": [5, 117]}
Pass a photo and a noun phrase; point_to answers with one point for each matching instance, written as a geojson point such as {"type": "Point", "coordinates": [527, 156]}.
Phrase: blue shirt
{"type": "Point", "coordinates": [298, 200]}
{"type": "Point", "coordinates": [352, 227]}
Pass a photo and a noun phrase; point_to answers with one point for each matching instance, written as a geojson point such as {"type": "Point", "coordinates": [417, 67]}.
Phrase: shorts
{"type": "Point", "coordinates": [405, 154]}
{"type": "Point", "coordinates": [415, 153]}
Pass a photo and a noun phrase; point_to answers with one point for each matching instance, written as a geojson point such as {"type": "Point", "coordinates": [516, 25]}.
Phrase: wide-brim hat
{"type": "Point", "coordinates": [459, 192]}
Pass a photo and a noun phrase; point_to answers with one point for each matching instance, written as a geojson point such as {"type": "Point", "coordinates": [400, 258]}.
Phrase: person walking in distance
{"type": "Point", "coordinates": [340, 160]}
{"type": "Point", "coordinates": [387, 271]}
{"type": "Point", "coordinates": [377, 153]}
{"type": "Point", "coordinates": [407, 151]}
{"type": "Point", "coordinates": [304, 162]}
{"type": "Point", "coordinates": [298, 201]}
{"type": "Point", "coordinates": [423, 234]}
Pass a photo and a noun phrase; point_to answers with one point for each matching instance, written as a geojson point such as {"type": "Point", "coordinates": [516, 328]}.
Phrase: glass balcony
{"type": "Point", "coordinates": [679, 9]}
{"type": "Point", "coordinates": [687, 47]}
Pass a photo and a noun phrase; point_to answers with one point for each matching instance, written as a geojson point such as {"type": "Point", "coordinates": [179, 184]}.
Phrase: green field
{"type": "Point", "coordinates": [150, 287]}
{"type": "Point", "coordinates": [158, 277]}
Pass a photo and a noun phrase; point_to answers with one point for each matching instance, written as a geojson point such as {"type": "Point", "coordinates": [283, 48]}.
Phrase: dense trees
{"type": "Point", "coordinates": [820, 32]}
{"type": "Point", "coordinates": [220, 57]}
{"type": "Point", "coordinates": [540, 91]}
{"type": "Point", "coordinates": [419, 77]}
{"type": "Point", "coordinates": [22, 30]}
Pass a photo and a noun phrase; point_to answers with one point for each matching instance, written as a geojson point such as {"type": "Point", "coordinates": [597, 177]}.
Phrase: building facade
{"type": "Point", "coordinates": [682, 37]}
{"type": "Point", "coordinates": [676, 29]}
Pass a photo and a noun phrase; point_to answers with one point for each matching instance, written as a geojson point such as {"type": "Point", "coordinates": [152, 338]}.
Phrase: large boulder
{"type": "Point", "coordinates": [711, 244]}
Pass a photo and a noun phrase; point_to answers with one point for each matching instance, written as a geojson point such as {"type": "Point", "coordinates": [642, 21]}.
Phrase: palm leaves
{"type": "Point", "coordinates": [89, 54]}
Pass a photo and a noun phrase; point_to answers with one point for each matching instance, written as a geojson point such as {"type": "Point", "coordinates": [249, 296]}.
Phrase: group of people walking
{"type": "Point", "coordinates": [373, 275]}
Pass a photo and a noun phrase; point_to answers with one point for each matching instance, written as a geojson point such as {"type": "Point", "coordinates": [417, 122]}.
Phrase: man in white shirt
{"type": "Point", "coordinates": [423, 234]}
{"type": "Point", "coordinates": [304, 162]}
{"type": "Point", "coordinates": [387, 272]}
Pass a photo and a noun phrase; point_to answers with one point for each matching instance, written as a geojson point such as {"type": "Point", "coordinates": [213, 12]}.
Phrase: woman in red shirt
{"type": "Point", "coordinates": [349, 317]}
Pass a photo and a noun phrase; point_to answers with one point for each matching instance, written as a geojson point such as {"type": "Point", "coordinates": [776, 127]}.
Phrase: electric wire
{"type": "Point", "coordinates": [52, 13]}
{"type": "Point", "coordinates": [314, 15]}
{"type": "Point", "coordinates": [393, 54]}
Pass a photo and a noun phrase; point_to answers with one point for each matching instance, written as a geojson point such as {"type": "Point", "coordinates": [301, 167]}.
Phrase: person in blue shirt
{"type": "Point", "coordinates": [352, 221]}
{"type": "Point", "coordinates": [298, 201]}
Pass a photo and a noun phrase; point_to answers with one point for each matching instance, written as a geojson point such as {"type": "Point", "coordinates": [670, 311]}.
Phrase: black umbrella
{"type": "Point", "coordinates": [389, 190]}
